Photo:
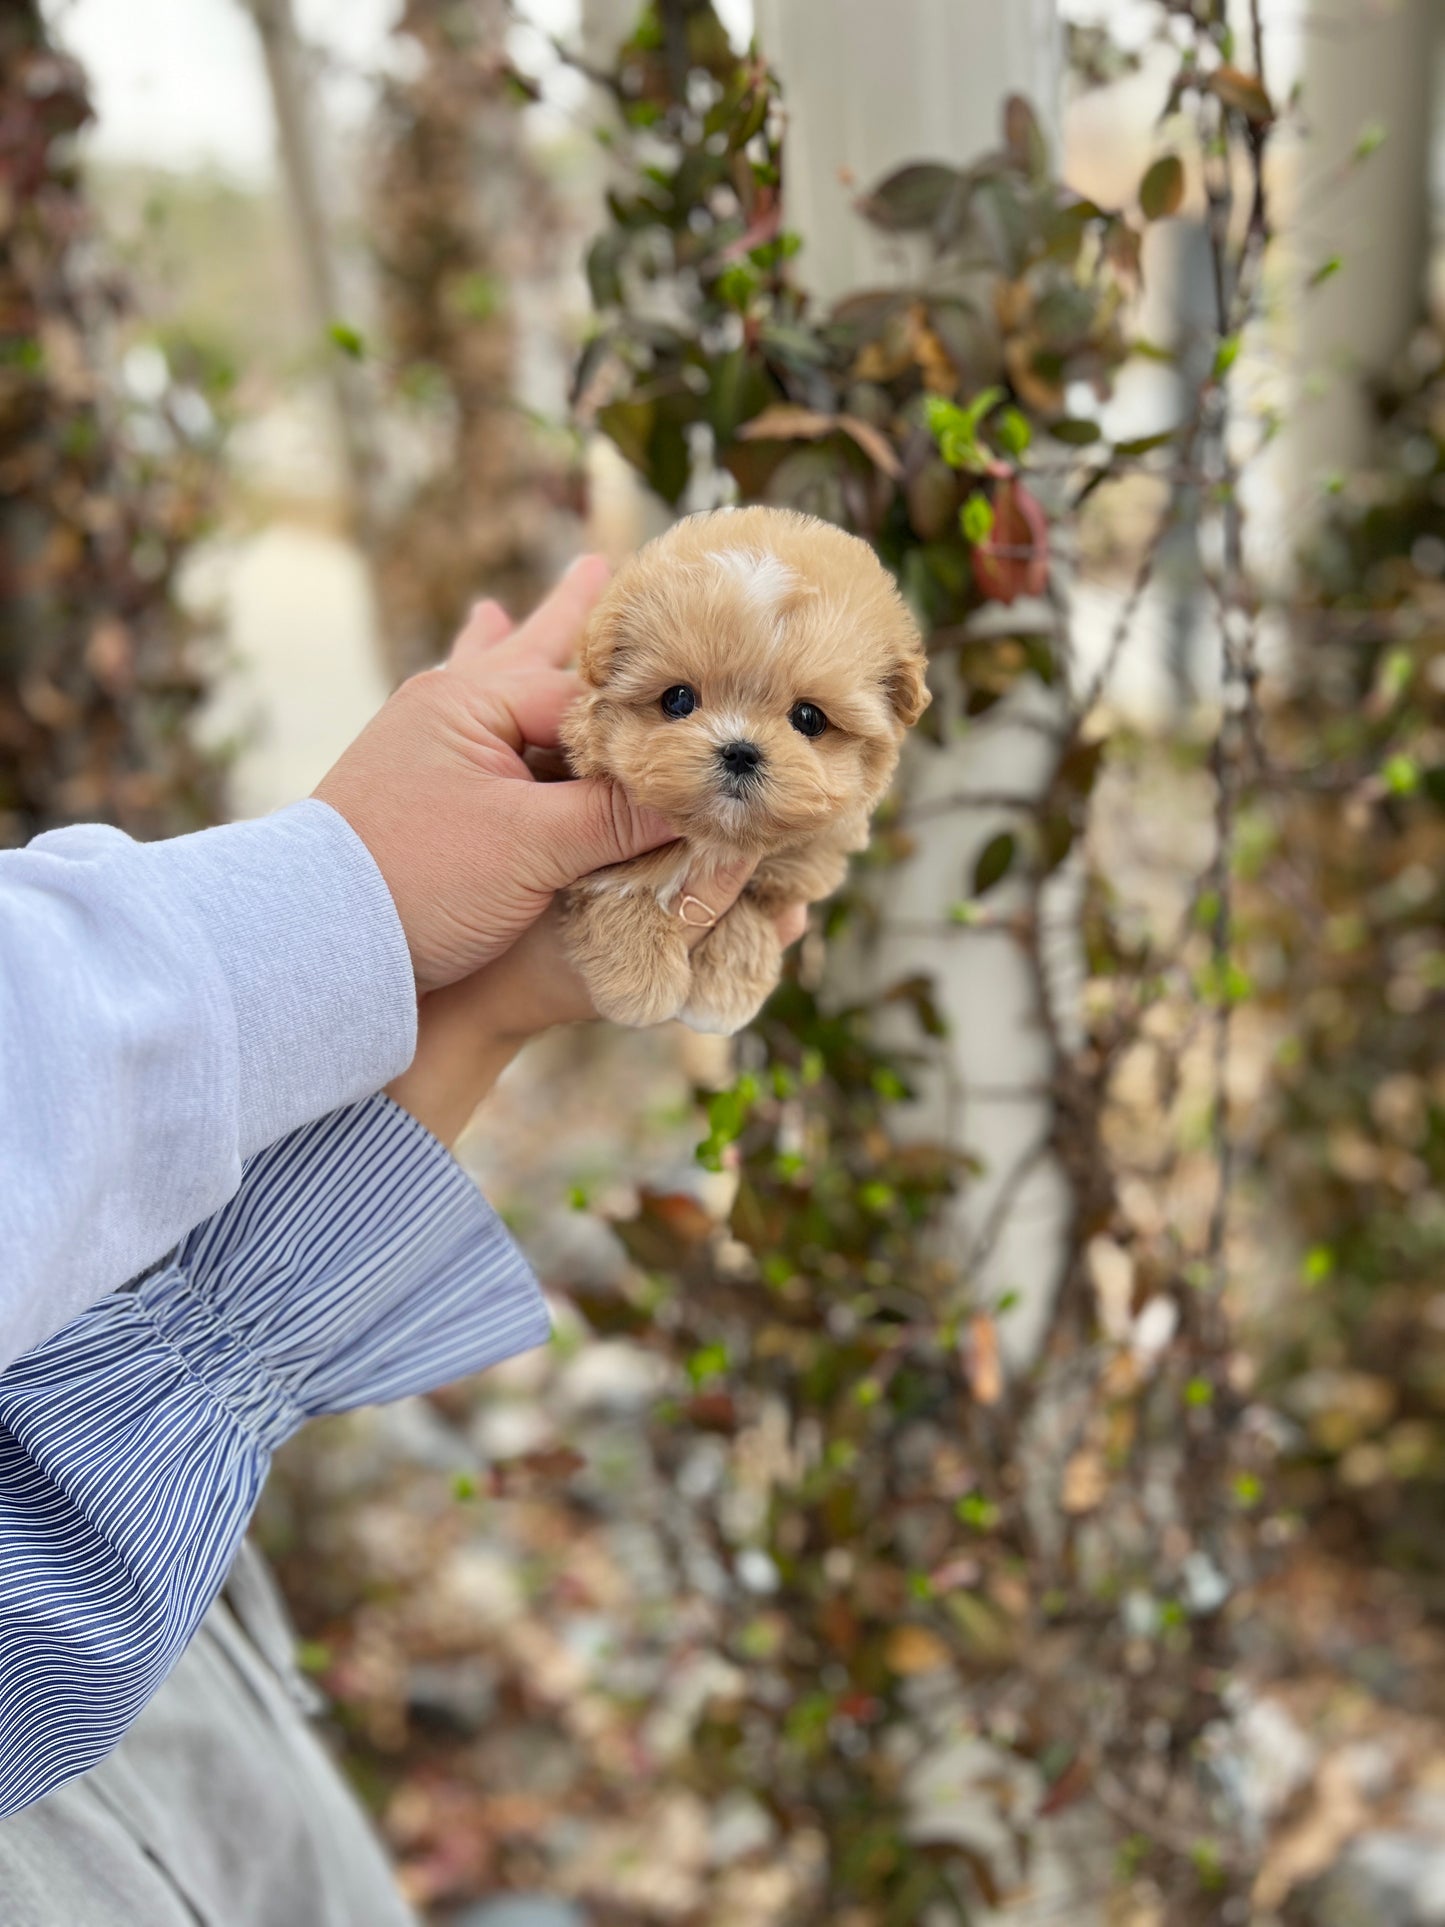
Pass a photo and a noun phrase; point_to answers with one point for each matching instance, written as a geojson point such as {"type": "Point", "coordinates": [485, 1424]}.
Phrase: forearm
{"type": "Point", "coordinates": [458, 1069]}
{"type": "Point", "coordinates": [471, 1032]}
{"type": "Point", "coordinates": [165, 1011]}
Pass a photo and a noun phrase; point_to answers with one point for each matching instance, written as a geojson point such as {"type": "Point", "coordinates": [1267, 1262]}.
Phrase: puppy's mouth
{"type": "Point", "coordinates": [740, 770]}
{"type": "Point", "coordinates": [740, 786]}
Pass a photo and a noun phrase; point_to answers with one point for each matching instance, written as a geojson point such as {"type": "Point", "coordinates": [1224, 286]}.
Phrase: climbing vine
{"type": "Point", "coordinates": [1044, 1559]}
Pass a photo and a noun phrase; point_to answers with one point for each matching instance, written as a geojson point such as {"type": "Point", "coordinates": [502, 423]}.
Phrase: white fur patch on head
{"type": "Point", "coordinates": [766, 579]}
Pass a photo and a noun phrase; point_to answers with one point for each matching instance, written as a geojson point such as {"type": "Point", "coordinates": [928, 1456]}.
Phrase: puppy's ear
{"type": "Point", "coordinates": [905, 684]}
{"type": "Point", "coordinates": [600, 639]}
{"type": "Point", "coordinates": [580, 737]}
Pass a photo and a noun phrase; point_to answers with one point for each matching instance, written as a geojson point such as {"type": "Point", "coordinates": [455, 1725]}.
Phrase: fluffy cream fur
{"type": "Point", "coordinates": [754, 611]}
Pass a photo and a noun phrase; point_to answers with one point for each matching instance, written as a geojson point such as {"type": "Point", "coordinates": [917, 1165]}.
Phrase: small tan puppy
{"type": "Point", "coordinates": [750, 675]}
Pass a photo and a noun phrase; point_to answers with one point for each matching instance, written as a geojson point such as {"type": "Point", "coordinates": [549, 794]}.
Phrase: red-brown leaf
{"type": "Point", "coordinates": [1014, 561]}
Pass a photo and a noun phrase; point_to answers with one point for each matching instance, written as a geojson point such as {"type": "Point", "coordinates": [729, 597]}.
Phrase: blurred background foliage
{"type": "Point", "coordinates": [103, 491]}
{"type": "Point", "coordinates": [827, 1567]}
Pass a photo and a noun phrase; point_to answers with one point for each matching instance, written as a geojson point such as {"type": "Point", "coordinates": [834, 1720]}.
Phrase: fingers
{"type": "Point", "coordinates": [582, 826]}
{"type": "Point", "coordinates": [550, 635]}
{"type": "Point", "coordinates": [486, 626]}
{"type": "Point", "coordinates": [715, 891]}
{"type": "Point", "coordinates": [536, 703]}
{"type": "Point", "coordinates": [791, 924]}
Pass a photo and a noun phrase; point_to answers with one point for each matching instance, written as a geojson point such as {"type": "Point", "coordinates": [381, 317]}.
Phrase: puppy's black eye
{"type": "Point", "coordinates": [680, 701]}
{"type": "Point", "coordinates": [808, 719]}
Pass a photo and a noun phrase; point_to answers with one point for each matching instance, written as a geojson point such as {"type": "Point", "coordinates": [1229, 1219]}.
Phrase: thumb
{"type": "Point", "coordinates": [586, 825]}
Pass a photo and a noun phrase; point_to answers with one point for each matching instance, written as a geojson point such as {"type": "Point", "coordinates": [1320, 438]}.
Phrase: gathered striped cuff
{"type": "Point", "coordinates": [356, 1264]}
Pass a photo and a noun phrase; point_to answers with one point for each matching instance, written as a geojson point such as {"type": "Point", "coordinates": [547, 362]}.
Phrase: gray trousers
{"type": "Point", "coordinates": [220, 1807]}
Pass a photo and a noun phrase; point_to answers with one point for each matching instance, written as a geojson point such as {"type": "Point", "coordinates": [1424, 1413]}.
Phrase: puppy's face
{"type": "Point", "coordinates": [750, 675]}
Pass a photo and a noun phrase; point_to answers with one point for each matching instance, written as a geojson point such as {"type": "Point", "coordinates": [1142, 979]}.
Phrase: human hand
{"type": "Point", "coordinates": [470, 847]}
{"type": "Point", "coordinates": [469, 1033]}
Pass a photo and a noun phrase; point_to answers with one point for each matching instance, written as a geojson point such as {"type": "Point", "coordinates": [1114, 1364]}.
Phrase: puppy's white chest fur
{"type": "Point", "coordinates": [660, 875]}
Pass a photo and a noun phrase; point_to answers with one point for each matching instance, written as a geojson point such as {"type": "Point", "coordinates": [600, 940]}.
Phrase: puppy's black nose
{"type": "Point", "coordinates": [740, 759]}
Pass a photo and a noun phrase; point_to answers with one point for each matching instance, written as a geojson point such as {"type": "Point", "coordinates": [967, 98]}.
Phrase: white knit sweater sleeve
{"type": "Point", "coordinates": [166, 1010]}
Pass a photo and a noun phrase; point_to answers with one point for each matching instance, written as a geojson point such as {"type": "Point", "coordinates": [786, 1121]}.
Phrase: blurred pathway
{"type": "Point", "coordinates": [302, 674]}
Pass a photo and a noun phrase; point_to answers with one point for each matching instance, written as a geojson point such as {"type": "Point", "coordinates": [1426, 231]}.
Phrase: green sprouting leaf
{"type": "Point", "coordinates": [1371, 138]}
{"type": "Point", "coordinates": [956, 428]}
{"type": "Point", "coordinates": [994, 862]}
{"type": "Point", "coordinates": [977, 1511]}
{"type": "Point", "coordinates": [1395, 674]}
{"type": "Point", "coordinates": [464, 1486]}
{"type": "Point", "coordinates": [1161, 192]}
{"type": "Point", "coordinates": [1248, 1491]}
{"type": "Point", "coordinates": [1401, 775]}
{"type": "Point", "coordinates": [976, 518]}
{"type": "Point", "coordinates": [1318, 1265]}
{"type": "Point", "coordinates": [348, 339]}
{"type": "Point", "coordinates": [727, 1112]}
{"type": "Point", "coordinates": [737, 285]}
{"type": "Point", "coordinates": [1013, 432]}
{"type": "Point", "coordinates": [479, 296]}
{"type": "Point", "coordinates": [1225, 983]}
{"type": "Point", "coordinates": [1327, 270]}
{"type": "Point", "coordinates": [708, 1361]}
{"type": "Point", "coordinates": [1199, 1391]}
{"type": "Point", "coordinates": [807, 1721]}
{"type": "Point", "coordinates": [1208, 1867]}
{"type": "Point", "coordinates": [964, 913]}
{"type": "Point", "coordinates": [1225, 356]}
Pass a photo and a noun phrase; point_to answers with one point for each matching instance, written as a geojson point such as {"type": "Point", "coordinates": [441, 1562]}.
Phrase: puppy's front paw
{"type": "Point", "coordinates": [734, 972]}
{"type": "Point", "coordinates": [723, 1019]}
{"type": "Point", "coordinates": [630, 956]}
{"type": "Point", "coordinates": [646, 991]}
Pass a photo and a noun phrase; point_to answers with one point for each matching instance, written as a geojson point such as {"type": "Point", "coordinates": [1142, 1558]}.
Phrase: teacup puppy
{"type": "Point", "coordinates": [750, 675]}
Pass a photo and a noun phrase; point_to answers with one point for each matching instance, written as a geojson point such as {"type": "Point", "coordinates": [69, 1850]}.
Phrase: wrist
{"type": "Point", "coordinates": [468, 1037]}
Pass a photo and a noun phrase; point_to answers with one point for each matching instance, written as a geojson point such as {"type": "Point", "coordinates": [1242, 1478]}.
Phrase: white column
{"type": "Point", "coordinates": [868, 87]}
{"type": "Point", "coordinates": [1366, 66]}
{"type": "Point", "coordinates": [605, 24]}
{"type": "Point", "coordinates": [869, 84]}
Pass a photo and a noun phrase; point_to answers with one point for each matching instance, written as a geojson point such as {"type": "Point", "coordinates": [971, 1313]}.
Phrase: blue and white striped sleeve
{"type": "Point", "coordinates": [357, 1263]}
